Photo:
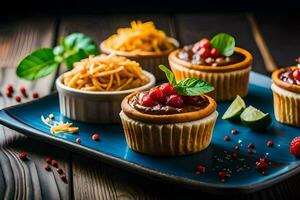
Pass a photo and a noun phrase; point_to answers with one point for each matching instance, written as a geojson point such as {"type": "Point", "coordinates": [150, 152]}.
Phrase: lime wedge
{"type": "Point", "coordinates": [235, 109]}
{"type": "Point", "coordinates": [254, 118]}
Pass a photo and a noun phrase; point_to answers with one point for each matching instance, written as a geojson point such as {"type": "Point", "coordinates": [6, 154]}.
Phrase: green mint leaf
{"type": "Point", "coordinates": [193, 87]}
{"type": "Point", "coordinates": [169, 74]}
{"type": "Point", "coordinates": [224, 42]}
{"type": "Point", "coordinates": [38, 64]}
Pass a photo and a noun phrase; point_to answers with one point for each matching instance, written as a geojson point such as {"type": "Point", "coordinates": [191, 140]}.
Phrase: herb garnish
{"type": "Point", "coordinates": [224, 42]}
{"type": "Point", "coordinates": [44, 61]}
{"type": "Point", "coordinates": [188, 86]}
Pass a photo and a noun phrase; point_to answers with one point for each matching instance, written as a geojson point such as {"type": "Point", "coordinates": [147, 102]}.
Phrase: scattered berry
{"type": "Point", "coordinates": [59, 170]}
{"type": "Point", "coordinates": [23, 90]}
{"type": "Point", "coordinates": [222, 174]}
{"type": "Point", "coordinates": [167, 89]}
{"type": "Point", "coordinates": [261, 166]}
{"type": "Point", "coordinates": [35, 95]}
{"type": "Point", "coordinates": [251, 146]}
{"type": "Point", "coordinates": [264, 159]}
{"type": "Point", "coordinates": [250, 151]}
{"type": "Point", "coordinates": [175, 100]}
{"type": "Point", "coordinates": [64, 178]}
{"type": "Point", "coordinates": [23, 155]}
{"type": "Point", "coordinates": [147, 101]}
{"type": "Point", "coordinates": [8, 93]}
{"type": "Point", "coordinates": [226, 138]}
{"type": "Point", "coordinates": [235, 156]}
{"type": "Point", "coordinates": [236, 147]}
{"type": "Point", "coordinates": [10, 88]}
{"type": "Point", "coordinates": [295, 146]}
{"type": "Point", "coordinates": [95, 137]}
{"type": "Point", "coordinates": [270, 143]}
{"type": "Point", "coordinates": [18, 98]}
{"type": "Point", "coordinates": [78, 140]}
{"type": "Point", "coordinates": [201, 169]}
{"type": "Point", "coordinates": [47, 167]}
{"type": "Point", "coordinates": [156, 94]}
{"type": "Point", "coordinates": [48, 160]}
{"type": "Point", "coordinates": [234, 132]}
{"type": "Point", "coordinates": [54, 163]}
{"type": "Point", "coordinates": [214, 52]}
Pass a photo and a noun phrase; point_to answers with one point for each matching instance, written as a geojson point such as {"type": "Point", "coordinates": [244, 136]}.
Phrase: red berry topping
{"type": "Point", "coordinates": [264, 159]}
{"type": "Point", "coordinates": [214, 52]}
{"type": "Point", "coordinates": [226, 138]}
{"type": "Point", "coordinates": [250, 151]}
{"type": "Point", "coordinates": [47, 167]}
{"type": "Point", "coordinates": [251, 146]}
{"type": "Point", "coordinates": [59, 170]}
{"type": "Point", "coordinates": [35, 95]}
{"type": "Point", "coordinates": [222, 174]}
{"type": "Point", "coordinates": [10, 88]}
{"type": "Point", "coordinates": [205, 43]}
{"type": "Point", "coordinates": [22, 90]}
{"type": "Point", "coordinates": [236, 148]}
{"type": "Point", "coordinates": [175, 100]}
{"type": "Point", "coordinates": [147, 101]}
{"type": "Point", "coordinates": [296, 74]}
{"type": "Point", "coordinates": [95, 137]}
{"type": "Point", "coordinates": [23, 155]}
{"type": "Point", "coordinates": [167, 89]}
{"type": "Point", "coordinates": [64, 178]}
{"type": "Point", "coordinates": [54, 163]}
{"type": "Point", "coordinates": [18, 99]}
{"type": "Point", "coordinates": [78, 140]}
{"type": "Point", "coordinates": [295, 146]}
{"type": "Point", "coordinates": [234, 132]}
{"type": "Point", "coordinates": [270, 143]}
{"type": "Point", "coordinates": [204, 53]}
{"type": "Point", "coordinates": [8, 93]}
{"type": "Point", "coordinates": [201, 169]}
{"type": "Point", "coordinates": [261, 166]}
{"type": "Point", "coordinates": [235, 156]}
{"type": "Point", "coordinates": [156, 94]}
{"type": "Point", "coordinates": [48, 160]}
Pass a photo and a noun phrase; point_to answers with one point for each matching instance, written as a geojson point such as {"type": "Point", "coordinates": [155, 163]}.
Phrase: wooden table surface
{"type": "Point", "coordinates": [272, 39]}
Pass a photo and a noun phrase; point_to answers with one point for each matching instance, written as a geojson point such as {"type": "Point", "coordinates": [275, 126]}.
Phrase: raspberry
{"type": "Point", "coordinates": [295, 146]}
{"type": "Point", "coordinates": [167, 89]}
{"type": "Point", "coordinates": [175, 100]}
{"type": "Point", "coordinates": [204, 53]}
{"type": "Point", "coordinates": [147, 101]}
{"type": "Point", "coordinates": [156, 94]}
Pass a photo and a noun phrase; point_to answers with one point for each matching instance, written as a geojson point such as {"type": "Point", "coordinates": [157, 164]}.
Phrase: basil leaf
{"type": "Point", "coordinates": [193, 87]}
{"type": "Point", "coordinates": [169, 74]}
{"type": "Point", "coordinates": [224, 42]}
{"type": "Point", "coordinates": [38, 64]}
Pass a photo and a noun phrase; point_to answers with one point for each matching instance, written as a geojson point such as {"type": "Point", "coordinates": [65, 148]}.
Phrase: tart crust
{"type": "Point", "coordinates": [283, 84]}
{"type": "Point", "coordinates": [167, 119]}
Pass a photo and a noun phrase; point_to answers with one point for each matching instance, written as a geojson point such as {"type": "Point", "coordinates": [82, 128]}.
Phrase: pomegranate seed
{"type": "Point", "coordinates": [22, 90]}
{"type": "Point", "coordinates": [222, 180]}
{"type": "Point", "coordinates": [204, 53]}
{"type": "Point", "coordinates": [201, 169]}
{"type": "Point", "coordinates": [48, 160]}
{"type": "Point", "coordinates": [175, 100]}
{"type": "Point", "coordinates": [147, 101]}
{"type": "Point", "coordinates": [23, 155]}
{"type": "Point", "coordinates": [251, 146]}
{"type": "Point", "coordinates": [260, 166]}
{"type": "Point", "coordinates": [8, 93]}
{"type": "Point", "coordinates": [270, 143]}
{"type": "Point", "coordinates": [35, 95]}
{"type": "Point", "coordinates": [226, 138]}
{"type": "Point", "coordinates": [47, 167]}
{"type": "Point", "coordinates": [205, 43]}
{"type": "Point", "coordinates": [296, 74]}
{"type": "Point", "coordinates": [156, 94]}
{"type": "Point", "coordinates": [236, 148]}
{"type": "Point", "coordinates": [214, 52]}
{"type": "Point", "coordinates": [167, 89]}
{"type": "Point", "coordinates": [250, 151]}
{"type": "Point", "coordinates": [95, 137]}
{"type": "Point", "coordinates": [234, 132]}
{"type": "Point", "coordinates": [59, 170]}
{"type": "Point", "coordinates": [78, 140]}
{"type": "Point", "coordinates": [10, 88]}
{"type": "Point", "coordinates": [54, 163]}
{"type": "Point", "coordinates": [18, 99]}
{"type": "Point", "coordinates": [235, 156]}
{"type": "Point", "coordinates": [64, 178]}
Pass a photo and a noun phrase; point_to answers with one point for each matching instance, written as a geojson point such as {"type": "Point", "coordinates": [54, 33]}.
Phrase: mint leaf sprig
{"type": "Point", "coordinates": [188, 86]}
{"type": "Point", "coordinates": [224, 42]}
{"type": "Point", "coordinates": [45, 61]}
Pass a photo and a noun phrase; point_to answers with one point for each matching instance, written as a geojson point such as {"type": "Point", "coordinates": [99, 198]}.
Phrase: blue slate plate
{"type": "Point", "coordinates": [113, 149]}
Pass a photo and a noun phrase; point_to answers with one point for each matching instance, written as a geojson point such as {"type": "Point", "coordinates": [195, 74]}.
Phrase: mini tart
{"type": "Point", "coordinates": [229, 80]}
{"type": "Point", "coordinates": [149, 60]}
{"type": "Point", "coordinates": [286, 99]}
{"type": "Point", "coordinates": [168, 135]}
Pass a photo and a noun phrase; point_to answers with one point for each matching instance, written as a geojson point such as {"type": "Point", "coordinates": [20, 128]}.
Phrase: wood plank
{"type": "Point", "coordinates": [27, 179]}
{"type": "Point", "coordinates": [191, 27]}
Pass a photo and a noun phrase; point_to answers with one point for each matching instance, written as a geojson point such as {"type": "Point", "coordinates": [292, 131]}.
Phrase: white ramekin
{"type": "Point", "coordinates": [94, 107]}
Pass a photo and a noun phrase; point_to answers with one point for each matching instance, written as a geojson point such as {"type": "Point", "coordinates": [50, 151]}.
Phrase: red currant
{"type": "Point", "coordinates": [35, 95]}
{"type": "Point", "coordinates": [156, 94]}
{"type": "Point", "coordinates": [54, 163]}
{"type": "Point", "coordinates": [8, 93]}
{"type": "Point", "coordinates": [175, 100]}
{"type": "Point", "coordinates": [18, 99]}
{"type": "Point", "coordinates": [204, 53]}
{"type": "Point", "coordinates": [167, 89]}
{"type": "Point", "coordinates": [214, 52]}
{"type": "Point", "coordinates": [205, 43]}
{"type": "Point", "coordinates": [296, 74]}
{"type": "Point", "coordinates": [270, 143]}
{"type": "Point", "coordinates": [260, 166]}
{"type": "Point", "coordinates": [147, 101]}
{"type": "Point", "coordinates": [22, 90]}
{"type": "Point", "coordinates": [95, 137]}
{"type": "Point", "coordinates": [10, 88]}
{"type": "Point", "coordinates": [23, 155]}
